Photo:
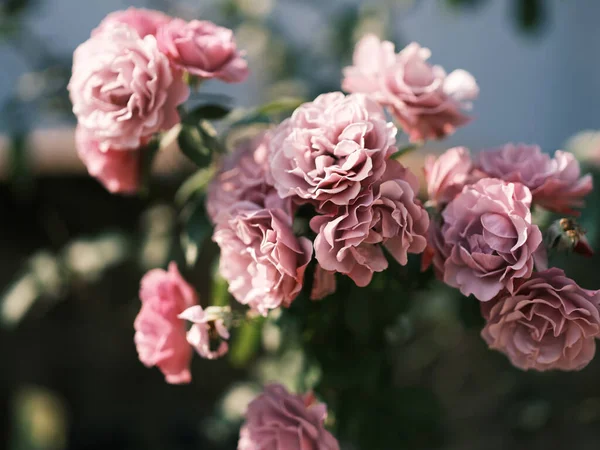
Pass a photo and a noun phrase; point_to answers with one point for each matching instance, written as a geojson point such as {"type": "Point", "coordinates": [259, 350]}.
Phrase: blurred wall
{"type": "Point", "coordinates": [540, 87]}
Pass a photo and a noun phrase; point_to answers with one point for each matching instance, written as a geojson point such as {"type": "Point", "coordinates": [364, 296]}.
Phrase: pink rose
{"type": "Point", "coordinates": [330, 149]}
{"type": "Point", "coordinates": [144, 21]}
{"type": "Point", "coordinates": [123, 89]}
{"type": "Point", "coordinates": [549, 322]}
{"type": "Point", "coordinates": [209, 334]}
{"type": "Point", "coordinates": [278, 420]}
{"type": "Point", "coordinates": [424, 100]}
{"type": "Point", "coordinates": [489, 238]}
{"type": "Point", "coordinates": [242, 177]}
{"type": "Point", "coordinates": [261, 258]}
{"type": "Point", "coordinates": [203, 49]}
{"type": "Point", "coordinates": [555, 183]}
{"type": "Point", "coordinates": [389, 214]}
{"type": "Point", "coordinates": [447, 174]}
{"type": "Point", "coordinates": [160, 336]}
{"type": "Point", "coordinates": [324, 283]}
{"type": "Point", "coordinates": [117, 170]}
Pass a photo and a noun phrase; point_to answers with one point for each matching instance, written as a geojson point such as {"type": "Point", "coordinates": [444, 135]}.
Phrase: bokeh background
{"type": "Point", "coordinates": [71, 255]}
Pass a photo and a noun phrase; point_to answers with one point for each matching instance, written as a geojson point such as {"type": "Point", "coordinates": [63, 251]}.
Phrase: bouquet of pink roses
{"type": "Point", "coordinates": [319, 224]}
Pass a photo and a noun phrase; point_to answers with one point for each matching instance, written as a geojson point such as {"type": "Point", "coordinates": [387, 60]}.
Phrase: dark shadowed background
{"type": "Point", "coordinates": [71, 255]}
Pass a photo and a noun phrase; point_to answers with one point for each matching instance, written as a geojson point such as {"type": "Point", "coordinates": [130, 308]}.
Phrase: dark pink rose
{"type": "Point", "coordinates": [203, 49]}
{"type": "Point", "coordinates": [242, 177]}
{"type": "Point", "coordinates": [144, 21]}
{"type": "Point", "coordinates": [426, 102]}
{"type": "Point", "coordinates": [278, 420]}
{"type": "Point", "coordinates": [549, 322]}
{"type": "Point", "coordinates": [208, 334]}
{"type": "Point", "coordinates": [489, 238]}
{"type": "Point", "coordinates": [117, 170]}
{"type": "Point", "coordinates": [330, 150]}
{"type": "Point", "coordinates": [447, 174]}
{"type": "Point", "coordinates": [261, 258]}
{"type": "Point", "coordinates": [388, 214]}
{"type": "Point", "coordinates": [123, 89]}
{"type": "Point", "coordinates": [555, 183]}
{"type": "Point", "coordinates": [160, 336]}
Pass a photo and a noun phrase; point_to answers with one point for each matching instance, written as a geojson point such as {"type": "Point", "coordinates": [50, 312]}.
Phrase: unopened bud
{"type": "Point", "coordinates": [566, 235]}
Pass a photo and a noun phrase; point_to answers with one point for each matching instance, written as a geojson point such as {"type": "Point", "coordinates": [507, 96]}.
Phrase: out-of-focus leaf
{"type": "Point", "coordinates": [147, 158]}
{"type": "Point", "coordinates": [192, 143]}
{"type": "Point", "coordinates": [529, 14]}
{"type": "Point", "coordinates": [269, 112]}
{"type": "Point", "coordinates": [196, 228]}
{"type": "Point", "coordinates": [21, 176]}
{"type": "Point", "coordinates": [206, 112]}
{"type": "Point", "coordinates": [246, 342]}
{"type": "Point", "coordinates": [404, 150]}
{"type": "Point", "coordinates": [194, 185]}
{"type": "Point", "coordinates": [42, 277]}
{"type": "Point", "coordinates": [40, 420]}
{"type": "Point", "coordinates": [220, 292]}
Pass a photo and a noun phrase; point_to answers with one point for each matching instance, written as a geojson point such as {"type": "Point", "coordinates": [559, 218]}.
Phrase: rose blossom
{"type": "Point", "coordinates": [425, 100]}
{"type": "Point", "coordinates": [144, 21]}
{"type": "Point", "coordinates": [123, 89]}
{"type": "Point", "coordinates": [447, 174]}
{"type": "Point", "coordinates": [555, 183]}
{"type": "Point", "coordinates": [389, 214]}
{"type": "Point", "coordinates": [549, 322]}
{"type": "Point", "coordinates": [261, 258]}
{"type": "Point", "coordinates": [117, 170]}
{"type": "Point", "coordinates": [160, 336]}
{"type": "Point", "coordinates": [278, 420]}
{"type": "Point", "coordinates": [330, 149]}
{"type": "Point", "coordinates": [242, 177]}
{"type": "Point", "coordinates": [324, 283]}
{"type": "Point", "coordinates": [203, 49]}
{"type": "Point", "coordinates": [489, 238]}
{"type": "Point", "coordinates": [209, 328]}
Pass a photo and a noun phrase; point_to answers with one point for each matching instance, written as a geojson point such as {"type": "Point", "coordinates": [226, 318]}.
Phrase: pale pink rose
{"type": "Point", "coordinates": [242, 177]}
{"type": "Point", "coordinates": [489, 238]}
{"type": "Point", "coordinates": [208, 334]}
{"type": "Point", "coordinates": [144, 21]}
{"type": "Point", "coordinates": [447, 174]}
{"type": "Point", "coordinates": [261, 258]}
{"type": "Point", "coordinates": [203, 49]}
{"type": "Point", "coordinates": [555, 183]}
{"type": "Point", "coordinates": [549, 322]}
{"type": "Point", "coordinates": [330, 150]}
{"type": "Point", "coordinates": [117, 170]}
{"type": "Point", "coordinates": [160, 336]}
{"type": "Point", "coordinates": [279, 420]}
{"type": "Point", "coordinates": [426, 102]}
{"type": "Point", "coordinates": [388, 214]}
{"type": "Point", "coordinates": [123, 89]}
{"type": "Point", "coordinates": [324, 283]}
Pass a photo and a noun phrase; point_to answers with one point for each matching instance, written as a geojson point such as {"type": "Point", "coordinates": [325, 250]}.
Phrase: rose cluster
{"type": "Point", "coordinates": [332, 158]}
{"type": "Point", "coordinates": [129, 79]}
{"type": "Point", "coordinates": [485, 243]}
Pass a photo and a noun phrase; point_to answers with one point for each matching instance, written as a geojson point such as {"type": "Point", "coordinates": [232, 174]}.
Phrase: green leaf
{"type": "Point", "coordinates": [404, 150]}
{"type": "Point", "coordinates": [220, 291]}
{"type": "Point", "coordinates": [192, 143]}
{"type": "Point", "coordinates": [282, 105]}
{"type": "Point", "coordinates": [205, 112]}
{"type": "Point", "coordinates": [147, 158]}
{"type": "Point", "coordinates": [194, 185]}
{"type": "Point", "coordinates": [196, 228]}
{"type": "Point", "coordinates": [246, 342]}
{"type": "Point", "coordinates": [268, 112]}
